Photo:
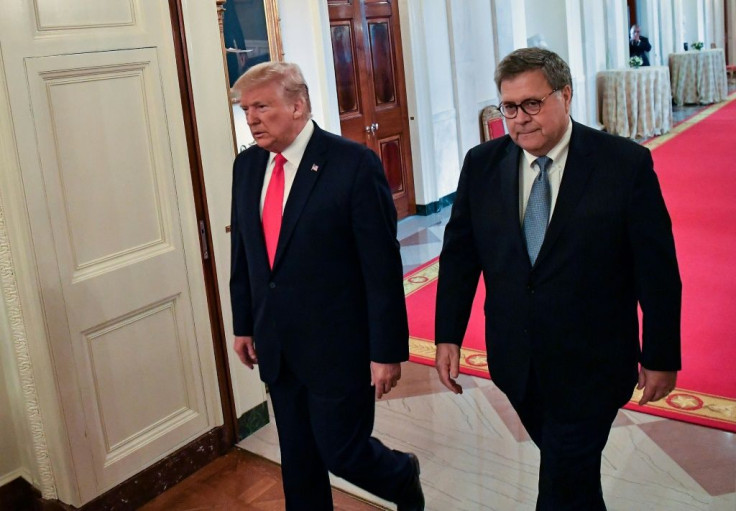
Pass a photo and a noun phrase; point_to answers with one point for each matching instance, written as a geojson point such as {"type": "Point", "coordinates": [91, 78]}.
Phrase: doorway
{"type": "Point", "coordinates": [371, 91]}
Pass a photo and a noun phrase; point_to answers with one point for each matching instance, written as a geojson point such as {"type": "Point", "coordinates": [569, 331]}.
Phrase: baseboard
{"type": "Point", "coordinates": [151, 481]}
{"type": "Point", "coordinates": [436, 206]}
{"type": "Point", "coordinates": [20, 473]}
{"type": "Point", "coordinates": [252, 420]}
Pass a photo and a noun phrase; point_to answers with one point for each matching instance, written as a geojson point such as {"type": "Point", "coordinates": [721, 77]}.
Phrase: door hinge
{"type": "Point", "coordinates": [203, 240]}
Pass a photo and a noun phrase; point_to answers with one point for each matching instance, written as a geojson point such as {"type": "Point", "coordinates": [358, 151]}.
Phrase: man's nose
{"type": "Point", "coordinates": [522, 116]}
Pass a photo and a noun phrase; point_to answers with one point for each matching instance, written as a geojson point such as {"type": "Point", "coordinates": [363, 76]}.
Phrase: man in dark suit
{"type": "Point", "coordinates": [639, 45]}
{"type": "Point", "coordinates": [317, 293]}
{"type": "Point", "coordinates": [561, 306]}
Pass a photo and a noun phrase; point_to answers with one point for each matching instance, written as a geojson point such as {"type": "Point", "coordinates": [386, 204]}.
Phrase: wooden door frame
{"type": "Point", "coordinates": [631, 5]}
{"type": "Point", "coordinates": [214, 305]}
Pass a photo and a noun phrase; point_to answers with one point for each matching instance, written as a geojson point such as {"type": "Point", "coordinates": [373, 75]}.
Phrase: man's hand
{"type": "Point", "coordinates": [246, 350]}
{"type": "Point", "coordinates": [447, 363]}
{"type": "Point", "coordinates": [384, 377]}
{"type": "Point", "coordinates": [656, 384]}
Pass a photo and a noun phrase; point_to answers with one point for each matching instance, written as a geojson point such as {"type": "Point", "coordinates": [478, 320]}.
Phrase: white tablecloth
{"type": "Point", "coordinates": [635, 103]}
{"type": "Point", "coordinates": [698, 76]}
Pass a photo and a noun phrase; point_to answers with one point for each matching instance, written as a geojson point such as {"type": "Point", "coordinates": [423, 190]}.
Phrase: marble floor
{"type": "Point", "coordinates": [475, 455]}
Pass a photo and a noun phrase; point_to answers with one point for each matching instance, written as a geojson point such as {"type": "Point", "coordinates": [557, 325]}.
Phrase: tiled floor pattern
{"type": "Point", "coordinates": [475, 455]}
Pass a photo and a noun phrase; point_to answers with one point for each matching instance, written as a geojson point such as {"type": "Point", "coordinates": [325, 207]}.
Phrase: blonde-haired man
{"type": "Point", "coordinates": [317, 293]}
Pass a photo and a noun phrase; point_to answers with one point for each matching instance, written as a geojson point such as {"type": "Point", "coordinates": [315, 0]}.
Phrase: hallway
{"type": "Point", "coordinates": [475, 454]}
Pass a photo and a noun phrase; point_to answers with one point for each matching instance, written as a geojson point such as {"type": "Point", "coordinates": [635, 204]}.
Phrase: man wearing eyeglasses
{"type": "Point", "coordinates": [568, 227]}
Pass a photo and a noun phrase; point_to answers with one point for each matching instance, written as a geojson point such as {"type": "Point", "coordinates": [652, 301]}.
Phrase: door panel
{"type": "Point", "coordinates": [110, 191]}
{"type": "Point", "coordinates": [368, 55]}
{"type": "Point", "coordinates": [392, 162]}
{"type": "Point", "coordinates": [382, 64]}
{"type": "Point", "coordinates": [55, 15]}
{"type": "Point", "coordinates": [106, 176]}
{"type": "Point", "coordinates": [345, 71]}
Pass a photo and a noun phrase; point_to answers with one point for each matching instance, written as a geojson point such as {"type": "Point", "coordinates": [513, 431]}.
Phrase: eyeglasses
{"type": "Point", "coordinates": [529, 106]}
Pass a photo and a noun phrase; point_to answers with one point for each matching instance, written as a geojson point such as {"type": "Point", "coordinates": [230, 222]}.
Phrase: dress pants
{"type": "Point", "coordinates": [570, 466]}
{"type": "Point", "coordinates": [321, 433]}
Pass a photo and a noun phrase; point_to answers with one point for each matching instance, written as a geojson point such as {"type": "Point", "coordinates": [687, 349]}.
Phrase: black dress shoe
{"type": "Point", "coordinates": [413, 497]}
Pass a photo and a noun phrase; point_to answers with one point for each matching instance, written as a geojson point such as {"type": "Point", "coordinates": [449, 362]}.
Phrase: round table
{"type": "Point", "coordinates": [635, 103]}
{"type": "Point", "coordinates": [698, 77]}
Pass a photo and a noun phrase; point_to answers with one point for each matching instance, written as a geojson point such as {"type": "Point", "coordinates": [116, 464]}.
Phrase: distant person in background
{"type": "Point", "coordinates": [639, 45]}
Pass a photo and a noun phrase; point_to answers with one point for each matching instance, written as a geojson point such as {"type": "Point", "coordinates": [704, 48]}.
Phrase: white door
{"type": "Point", "coordinates": [97, 118]}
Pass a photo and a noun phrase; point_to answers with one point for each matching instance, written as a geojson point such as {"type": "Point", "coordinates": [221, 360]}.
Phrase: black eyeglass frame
{"type": "Point", "coordinates": [503, 106]}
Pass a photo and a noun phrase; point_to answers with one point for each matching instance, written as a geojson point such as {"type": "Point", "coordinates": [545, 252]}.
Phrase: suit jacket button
{"type": "Point", "coordinates": [272, 285]}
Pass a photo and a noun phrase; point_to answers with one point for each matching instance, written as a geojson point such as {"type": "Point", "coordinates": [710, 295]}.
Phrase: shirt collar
{"type": "Point", "coordinates": [296, 149]}
{"type": "Point", "coordinates": [560, 148]}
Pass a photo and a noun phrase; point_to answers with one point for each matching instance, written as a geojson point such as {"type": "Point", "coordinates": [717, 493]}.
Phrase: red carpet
{"type": "Point", "coordinates": [693, 163]}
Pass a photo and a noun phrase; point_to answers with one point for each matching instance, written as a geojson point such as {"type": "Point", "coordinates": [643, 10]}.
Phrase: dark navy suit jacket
{"type": "Point", "coordinates": [640, 50]}
{"type": "Point", "coordinates": [334, 301]}
{"type": "Point", "coordinates": [573, 315]}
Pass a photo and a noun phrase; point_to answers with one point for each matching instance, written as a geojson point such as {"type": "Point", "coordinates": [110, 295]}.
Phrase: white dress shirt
{"type": "Point", "coordinates": [529, 172]}
{"type": "Point", "coordinates": [293, 155]}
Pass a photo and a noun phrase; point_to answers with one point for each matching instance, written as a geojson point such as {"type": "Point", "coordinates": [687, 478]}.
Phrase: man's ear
{"type": "Point", "coordinates": [567, 95]}
{"type": "Point", "coordinates": [300, 108]}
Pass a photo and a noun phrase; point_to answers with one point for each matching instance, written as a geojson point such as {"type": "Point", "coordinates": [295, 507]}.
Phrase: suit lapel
{"type": "Point", "coordinates": [256, 173]}
{"type": "Point", "coordinates": [306, 176]}
{"type": "Point", "coordinates": [578, 169]}
{"type": "Point", "coordinates": [509, 168]}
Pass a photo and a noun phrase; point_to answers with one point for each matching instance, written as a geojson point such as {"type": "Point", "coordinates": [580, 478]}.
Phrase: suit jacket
{"type": "Point", "coordinates": [640, 50]}
{"type": "Point", "coordinates": [334, 300]}
{"type": "Point", "coordinates": [572, 317]}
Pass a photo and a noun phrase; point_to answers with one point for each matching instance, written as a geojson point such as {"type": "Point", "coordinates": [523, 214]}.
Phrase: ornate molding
{"type": "Point", "coordinates": [220, 13]}
{"type": "Point", "coordinates": [273, 24]}
{"type": "Point", "coordinates": [9, 287]}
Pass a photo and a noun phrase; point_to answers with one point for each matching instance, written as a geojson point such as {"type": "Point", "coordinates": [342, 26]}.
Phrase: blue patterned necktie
{"type": "Point", "coordinates": [536, 216]}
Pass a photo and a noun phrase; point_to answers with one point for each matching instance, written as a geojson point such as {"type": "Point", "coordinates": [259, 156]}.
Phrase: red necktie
{"type": "Point", "coordinates": [273, 206]}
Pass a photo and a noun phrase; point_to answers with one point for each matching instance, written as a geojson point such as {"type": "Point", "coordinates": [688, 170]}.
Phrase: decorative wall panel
{"type": "Point", "coordinates": [149, 342]}
{"type": "Point", "coordinates": [110, 189]}
{"type": "Point", "coordinates": [382, 61]}
{"type": "Point", "coordinates": [345, 72]}
{"type": "Point", "coordinates": [391, 158]}
{"type": "Point", "coordinates": [62, 15]}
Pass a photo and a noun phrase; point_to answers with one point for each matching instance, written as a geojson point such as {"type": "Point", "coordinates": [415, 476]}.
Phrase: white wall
{"type": "Point", "coordinates": [473, 55]}
{"type": "Point", "coordinates": [731, 31]}
{"type": "Point", "coordinates": [305, 29]}
{"type": "Point", "coordinates": [686, 16]}
{"type": "Point", "coordinates": [10, 461]}
{"type": "Point", "coordinates": [442, 97]}
{"type": "Point", "coordinates": [547, 18]}
{"type": "Point", "coordinates": [15, 440]}
{"type": "Point", "coordinates": [594, 54]}
{"type": "Point", "coordinates": [216, 144]}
